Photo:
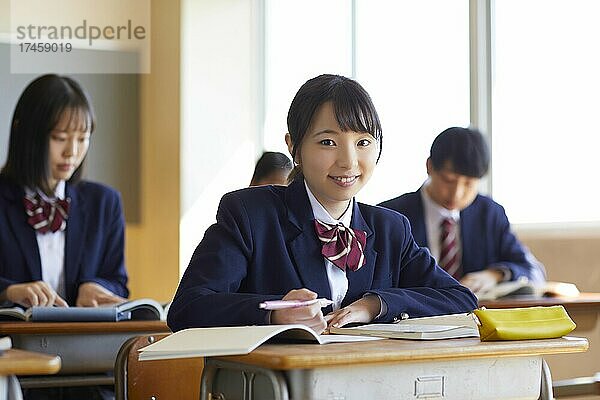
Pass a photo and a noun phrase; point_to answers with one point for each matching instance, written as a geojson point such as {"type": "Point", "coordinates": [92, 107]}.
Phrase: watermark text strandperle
{"type": "Point", "coordinates": [83, 31]}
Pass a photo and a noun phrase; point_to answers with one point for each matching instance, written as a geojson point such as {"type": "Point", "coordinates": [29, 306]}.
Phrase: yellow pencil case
{"type": "Point", "coordinates": [523, 323]}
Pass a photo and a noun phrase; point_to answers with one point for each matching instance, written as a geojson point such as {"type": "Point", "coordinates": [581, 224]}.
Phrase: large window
{"type": "Point", "coordinates": [412, 57]}
{"type": "Point", "coordinates": [302, 39]}
{"type": "Point", "coordinates": [546, 102]}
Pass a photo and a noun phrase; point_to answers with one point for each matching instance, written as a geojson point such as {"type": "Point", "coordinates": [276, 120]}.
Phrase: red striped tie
{"type": "Point", "coordinates": [449, 249]}
{"type": "Point", "coordinates": [343, 246]}
{"type": "Point", "coordinates": [46, 216]}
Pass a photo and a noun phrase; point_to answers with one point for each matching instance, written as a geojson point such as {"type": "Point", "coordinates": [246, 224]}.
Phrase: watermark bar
{"type": "Point", "coordinates": [80, 36]}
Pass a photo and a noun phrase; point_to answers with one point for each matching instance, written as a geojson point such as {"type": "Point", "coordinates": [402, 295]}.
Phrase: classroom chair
{"type": "Point", "coordinates": [156, 380]}
{"type": "Point", "coordinates": [588, 386]}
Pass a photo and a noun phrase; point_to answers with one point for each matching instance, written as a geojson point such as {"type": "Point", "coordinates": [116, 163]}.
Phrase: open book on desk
{"type": "Point", "coordinates": [234, 340]}
{"type": "Point", "coordinates": [140, 309]}
{"type": "Point", "coordinates": [427, 328]}
{"type": "Point", "coordinates": [524, 287]}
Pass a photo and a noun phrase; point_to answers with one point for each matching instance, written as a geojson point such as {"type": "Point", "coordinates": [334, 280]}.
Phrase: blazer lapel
{"type": "Point", "coordinates": [419, 230]}
{"type": "Point", "coordinates": [360, 281]}
{"type": "Point", "coordinates": [467, 232]}
{"type": "Point", "coordinates": [74, 235]}
{"type": "Point", "coordinates": [303, 245]}
{"type": "Point", "coordinates": [23, 232]}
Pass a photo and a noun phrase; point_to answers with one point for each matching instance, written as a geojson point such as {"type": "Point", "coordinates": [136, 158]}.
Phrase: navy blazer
{"type": "Point", "coordinates": [94, 242]}
{"type": "Point", "coordinates": [486, 236]}
{"type": "Point", "coordinates": [264, 245]}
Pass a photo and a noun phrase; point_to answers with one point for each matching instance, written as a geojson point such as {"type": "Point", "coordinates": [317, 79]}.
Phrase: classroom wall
{"type": "Point", "coordinates": [570, 255]}
{"type": "Point", "coordinates": [220, 109]}
{"type": "Point", "coordinates": [4, 16]}
{"type": "Point", "coordinates": [152, 245]}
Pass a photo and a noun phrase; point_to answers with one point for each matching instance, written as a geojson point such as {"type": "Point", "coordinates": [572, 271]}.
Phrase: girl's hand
{"type": "Point", "coordinates": [364, 310]}
{"type": "Point", "coordinates": [311, 316]}
{"type": "Point", "coordinates": [92, 294]}
{"type": "Point", "coordinates": [31, 294]}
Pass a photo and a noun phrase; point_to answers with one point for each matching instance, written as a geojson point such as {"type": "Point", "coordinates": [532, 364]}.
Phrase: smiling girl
{"type": "Point", "coordinates": [61, 238]}
{"type": "Point", "coordinates": [312, 239]}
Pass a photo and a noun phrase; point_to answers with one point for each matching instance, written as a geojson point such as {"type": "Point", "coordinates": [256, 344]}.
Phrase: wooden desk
{"type": "Point", "coordinates": [585, 311]}
{"type": "Point", "coordinates": [85, 347]}
{"type": "Point", "coordinates": [400, 369]}
{"type": "Point", "coordinates": [20, 362]}
{"type": "Point", "coordinates": [13, 362]}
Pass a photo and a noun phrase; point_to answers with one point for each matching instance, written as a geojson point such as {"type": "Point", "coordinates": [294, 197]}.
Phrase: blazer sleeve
{"type": "Point", "coordinates": [512, 254]}
{"type": "Point", "coordinates": [4, 282]}
{"type": "Point", "coordinates": [419, 286]}
{"type": "Point", "coordinates": [112, 274]}
{"type": "Point", "coordinates": [208, 292]}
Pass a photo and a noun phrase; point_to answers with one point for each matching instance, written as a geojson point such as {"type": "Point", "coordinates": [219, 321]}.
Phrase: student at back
{"type": "Point", "coordinates": [272, 168]}
{"type": "Point", "coordinates": [468, 233]}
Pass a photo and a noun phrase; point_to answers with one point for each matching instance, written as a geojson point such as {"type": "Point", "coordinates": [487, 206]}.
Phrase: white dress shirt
{"type": "Point", "coordinates": [434, 215]}
{"type": "Point", "coordinates": [338, 282]}
{"type": "Point", "coordinates": [51, 246]}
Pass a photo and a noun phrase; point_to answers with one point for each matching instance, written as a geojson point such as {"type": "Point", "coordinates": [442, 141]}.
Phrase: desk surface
{"type": "Point", "coordinates": [299, 356]}
{"type": "Point", "coordinates": [9, 328]}
{"type": "Point", "coordinates": [20, 362]}
{"type": "Point", "coordinates": [585, 301]}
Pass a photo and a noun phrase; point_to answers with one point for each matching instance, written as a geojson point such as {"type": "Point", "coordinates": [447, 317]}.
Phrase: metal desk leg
{"type": "Point", "coordinates": [546, 388]}
{"type": "Point", "coordinates": [208, 375]}
{"type": "Point", "coordinates": [247, 374]}
{"type": "Point", "coordinates": [3, 387]}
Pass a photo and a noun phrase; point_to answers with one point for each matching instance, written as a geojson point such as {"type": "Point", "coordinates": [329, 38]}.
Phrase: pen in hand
{"type": "Point", "coordinates": [282, 304]}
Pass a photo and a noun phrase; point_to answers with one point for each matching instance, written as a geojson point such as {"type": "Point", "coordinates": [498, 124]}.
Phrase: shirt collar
{"type": "Point", "coordinates": [320, 213]}
{"type": "Point", "coordinates": [59, 192]}
{"type": "Point", "coordinates": [434, 209]}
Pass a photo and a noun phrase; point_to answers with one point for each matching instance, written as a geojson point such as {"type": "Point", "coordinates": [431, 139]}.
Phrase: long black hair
{"type": "Point", "coordinates": [352, 106]}
{"type": "Point", "coordinates": [41, 106]}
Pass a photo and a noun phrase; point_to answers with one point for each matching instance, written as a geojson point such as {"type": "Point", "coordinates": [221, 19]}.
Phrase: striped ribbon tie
{"type": "Point", "coordinates": [46, 216]}
{"type": "Point", "coordinates": [343, 246]}
{"type": "Point", "coordinates": [449, 248]}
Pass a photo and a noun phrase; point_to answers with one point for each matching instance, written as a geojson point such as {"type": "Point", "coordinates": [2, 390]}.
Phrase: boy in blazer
{"type": "Point", "coordinates": [448, 206]}
{"type": "Point", "coordinates": [312, 239]}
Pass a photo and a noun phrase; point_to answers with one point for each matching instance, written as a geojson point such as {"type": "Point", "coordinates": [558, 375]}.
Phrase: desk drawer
{"type": "Point", "coordinates": [477, 379]}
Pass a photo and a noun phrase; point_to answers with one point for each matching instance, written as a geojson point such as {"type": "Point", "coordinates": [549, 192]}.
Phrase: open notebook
{"type": "Point", "coordinates": [232, 340]}
{"type": "Point", "coordinates": [426, 328]}
{"type": "Point", "coordinates": [140, 309]}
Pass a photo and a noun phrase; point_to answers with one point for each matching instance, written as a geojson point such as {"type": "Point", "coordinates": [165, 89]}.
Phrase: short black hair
{"type": "Point", "coordinates": [39, 109]}
{"type": "Point", "coordinates": [270, 162]}
{"type": "Point", "coordinates": [465, 150]}
{"type": "Point", "coordinates": [352, 106]}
